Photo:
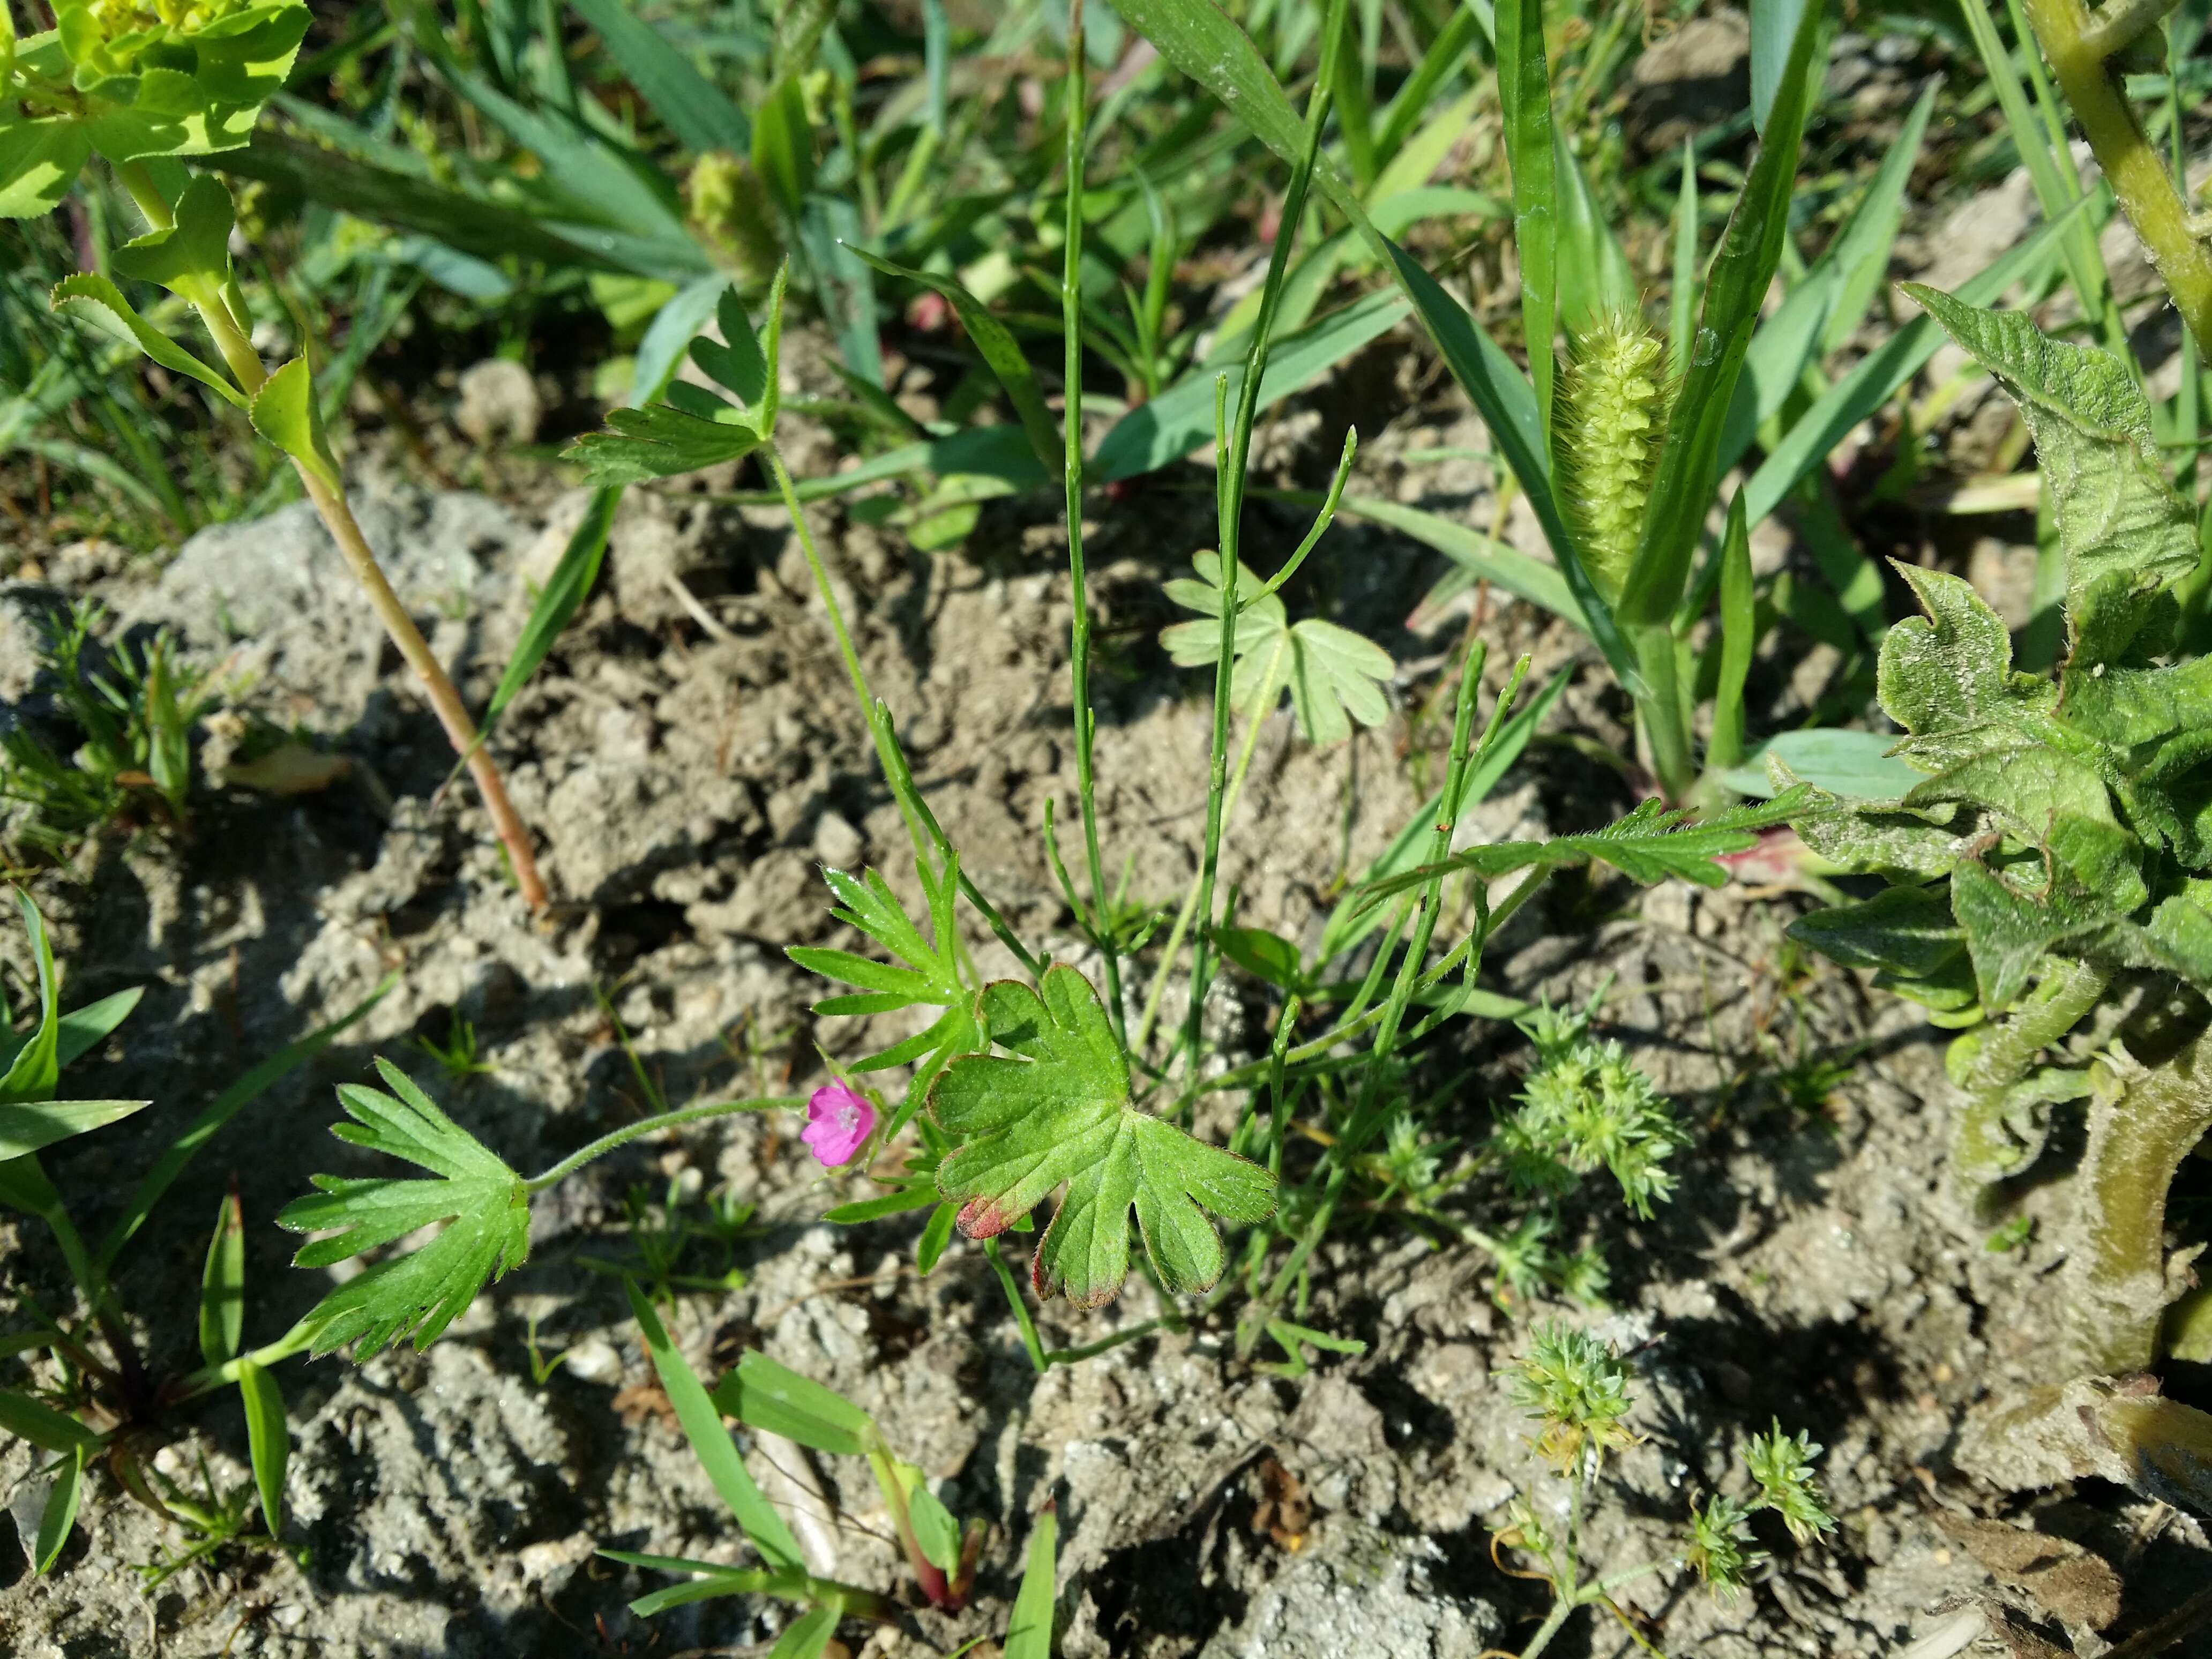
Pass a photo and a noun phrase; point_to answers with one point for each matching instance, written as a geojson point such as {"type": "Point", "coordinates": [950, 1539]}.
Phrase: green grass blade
{"type": "Point", "coordinates": [80, 1031]}
{"type": "Point", "coordinates": [59, 1514]}
{"type": "Point", "coordinates": [42, 1425]}
{"type": "Point", "coordinates": [1000, 349]}
{"type": "Point", "coordinates": [1524, 94]}
{"type": "Point", "coordinates": [1480, 556]}
{"type": "Point", "coordinates": [691, 106]}
{"type": "Point", "coordinates": [1682, 299]}
{"type": "Point", "coordinates": [559, 600]}
{"type": "Point", "coordinates": [1595, 279]}
{"type": "Point", "coordinates": [1773, 31]}
{"type": "Point", "coordinates": [718, 1454]}
{"type": "Point", "coordinates": [1750, 249]}
{"type": "Point", "coordinates": [1861, 249]}
{"type": "Point", "coordinates": [219, 1112]}
{"type": "Point", "coordinates": [1029, 1630]}
{"type": "Point", "coordinates": [36, 1066]}
{"type": "Point", "coordinates": [223, 1286]}
{"type": "Point", "coordinates": [1739, 633]}
{"type": "Point", "coordinates": [1875, 378]}
{"type": "Point", "coordinates": [1446, 54]}
{"type": "Point", "coordinates": [808, 1638]}
{"type": "Point", "coordinates": [2050, 171]}
{"type": "Point", "coordinates": [268, 1440]}
{"type": "Point", "coordinates": [1181, 419]}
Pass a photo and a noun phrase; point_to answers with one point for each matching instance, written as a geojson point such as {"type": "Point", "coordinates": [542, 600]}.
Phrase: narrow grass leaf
{"type": "Point", "coordinates": [1739, 635]}
{"type": "Point", "coordinates": [1524, 94]}
{"type": "Point", "coordinates": [693, 107]}
{"type": "Point", "coordinates": [776, 1399]}
{"type": "Point", "coordinates": [718, 1454]}
{"type": "Point", "coordinates": [58, 1514]}
{"type": "Point", "coordinates": [1750, 249]}
{"type": "Point", "coordinates": [1029, 1630]}
{"type": "Point", "coordinates": [222, 1285]}
{"type": "Point", "coordinates": [558, 601]}
{"type": "Point", "coordinates": [1475, 557]}
{"type": "Point", "coordinates": [42, 1425]}
{"type": "Point", "coordinates": [1000, 349]}
{"type": "Point", "coordinates": [218, 1112]}
{"type": "Point", "coordinates": [268, 1440]}
{"type": "Point", "coordinates": [26, 1127]}
{"type": "Point", "coordinates": [809, 1636]}
{"type": "Point", "coordinates": [1773, 31]}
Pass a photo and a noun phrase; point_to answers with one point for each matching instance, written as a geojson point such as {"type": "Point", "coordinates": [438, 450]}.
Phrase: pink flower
{"type": "Point", "coordinates": [838, 1120]}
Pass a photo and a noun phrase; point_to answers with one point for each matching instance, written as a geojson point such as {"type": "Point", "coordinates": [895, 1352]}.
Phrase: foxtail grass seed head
{"type": "Point", "coordinates": [1611, 421]}
{"type": "Point", "coordinates": [728, 208]}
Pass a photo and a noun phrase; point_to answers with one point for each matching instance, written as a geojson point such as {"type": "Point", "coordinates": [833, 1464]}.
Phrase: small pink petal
{"type": "Point", "coordinates": [838, 1120]}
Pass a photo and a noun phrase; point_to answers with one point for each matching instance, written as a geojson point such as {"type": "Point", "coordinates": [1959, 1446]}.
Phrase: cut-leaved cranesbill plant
{"type": "Point", "coordinates": [1579, 1390]}
{"type": "Point", "coordinates": [1061, 1080]}
{"type": "Point", "coordinates": [2051, 893]}
{"type": "Point", "coordinates": [141, 89]}
{"type": "Point", "coordinates": [98, 1395]}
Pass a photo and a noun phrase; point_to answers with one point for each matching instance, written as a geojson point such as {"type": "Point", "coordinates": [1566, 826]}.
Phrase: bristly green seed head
{"type": "Point", "coordinates": [1611, 421]}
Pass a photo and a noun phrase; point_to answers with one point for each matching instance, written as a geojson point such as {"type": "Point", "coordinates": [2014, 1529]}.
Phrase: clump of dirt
{"type": "Point", "coordinates": [689, 754]}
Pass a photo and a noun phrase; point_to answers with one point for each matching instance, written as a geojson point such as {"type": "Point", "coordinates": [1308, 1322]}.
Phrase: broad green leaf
{"type": "Point", "coordinates": [1902, 845]}
{"type": "Point", "coordinates": [191, 257]}
{"type": "Point", "coordinates": [1056, 1109]}
{"type": "Point", "coordinates": [58, 1515]}
{"type": "Point", "coordinates": [483, 1202]}
{"type": "Point", "coordinates": [1649, 845]}
{"type": "Point", "coordinates": [1950, 669]}
{"type": "Point", "coordinates": [42, 1425]}
{"type": "Point", "coordinates": [694, 108]}
{"type": "Point", "coordinates": [2009, 930]}
{"type": "Point", "coordinates": [1857, 765]}
{"type": "Point", "coordinates": [268, 1440]}
{"type": "Point", "coordinates": [2127, 535]}
{"type": "Point", "coordinates": [711, 1443]}
{"type": "Point", "coordinates": [1330, 672]}
{"type": "Point", "coordinates": [1751, 248]}
{"type": "Point", "coordinates": [101, 303]}
{"type": "Point", "coordinates": [40, 161]}
{"type": "Point", "coordinates": [773, 1398]}
{"type": "Point", "coordinates": [223, 1286]}
{"type": "Point", "coordinates": [1029, 1630]}
{"type": "Point", "coordinates": [287, 413]}
{"type": "Point", "coordinates": [1001, 350]}
{"type": "Point", "coordinates": [2051, 801]}
{"type": "Point", "coordinates": [660, 443]}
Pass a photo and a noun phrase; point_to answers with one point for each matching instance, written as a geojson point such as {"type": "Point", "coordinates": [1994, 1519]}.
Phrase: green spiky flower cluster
{"type": "Point", "coordinates": [1587, 1106]}
{"type": "Point", "coordinates": [1782, 1464]}
{"type": "Point", "coordinates": [1577, 1388]}
{"type": "Point", "coordinates": [1611, 421]}
{"type": "Point", "coordinates": [116, 19]}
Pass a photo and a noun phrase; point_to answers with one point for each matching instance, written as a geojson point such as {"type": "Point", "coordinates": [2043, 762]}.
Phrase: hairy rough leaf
{"type": "Point", "coordinates": [483, 1202]}
{"type": "Point", "coordinates": [2126, 533]}
{"type": "Point", "coordinates": [1056, 1109]}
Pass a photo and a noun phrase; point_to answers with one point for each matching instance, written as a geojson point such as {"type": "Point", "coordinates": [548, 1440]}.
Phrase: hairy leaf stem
{"type": "Point", "coordinates": [1079, 655]}
{"type": "Point", "coordinates": [245, 365]}
{"type": "Point", "coordinates": [606, 1143]}
{"type": "Point", "coordinates": [922, 828]}
{"type": "Point", "coordinates": [2079, 47]}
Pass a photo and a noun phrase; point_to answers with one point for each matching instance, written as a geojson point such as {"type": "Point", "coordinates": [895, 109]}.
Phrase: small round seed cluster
{"type": "Point", "coordinates": [1612, 420]}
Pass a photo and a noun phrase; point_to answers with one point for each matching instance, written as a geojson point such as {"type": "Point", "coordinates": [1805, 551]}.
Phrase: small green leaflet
{"type": "Point", "coordinates": [419, 1294]}
{"type": "Point", "coordinates": [1059, 1111]}
{"type": "Point", "coordinates": [930, 977]}
{"type": "Point", "coordinates": [30, 1070]}
{"type": "Point", "coordinates": [1330, 671]}
{"type": "Point", "coordinates": [1650, 844]}
{"type": "Point", "coordinates": [696, 427]}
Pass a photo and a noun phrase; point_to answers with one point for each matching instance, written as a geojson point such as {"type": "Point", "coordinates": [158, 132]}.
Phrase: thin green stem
{"type": "Point", "coordinates": [1552, 1621]}
{"type": "Point", "coordinates": [1235, 450]}
{"type": "Point", "coordinates": [606, 1143]}
{"type": "Point", "coordinates": [1174, 947]}
{"type": "Point", "coordinates": [2078, 49]}
{"type": "Point", "coordinates": [1079, 664]}
{"type": "Point", "coordinates": [1038, 1359]}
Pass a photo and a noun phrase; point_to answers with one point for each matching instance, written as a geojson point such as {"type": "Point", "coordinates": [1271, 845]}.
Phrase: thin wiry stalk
{"type": "Point", "coordinates": [1235, 450]}
{"type": "Point", "coordinates": [1078, 666]}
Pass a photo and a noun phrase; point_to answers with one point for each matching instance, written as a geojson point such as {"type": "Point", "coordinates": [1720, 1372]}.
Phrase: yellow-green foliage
{"type": "Point", "coordinates": [1611, 420]}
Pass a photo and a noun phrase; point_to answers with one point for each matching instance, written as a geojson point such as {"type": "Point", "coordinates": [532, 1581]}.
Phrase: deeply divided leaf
{"type": "Point", "coordinates": [1055, 1109]}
